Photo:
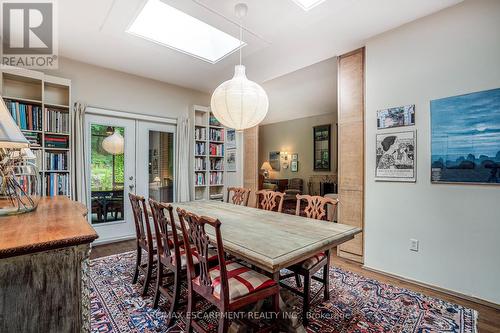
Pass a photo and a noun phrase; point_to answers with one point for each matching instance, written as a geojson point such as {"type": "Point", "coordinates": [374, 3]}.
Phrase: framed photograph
{"type": "Point", "coordinates": [465, 138]}
{"type": "Point", "coordinates": [321, 147]}
{"type": "Point", "coordinates": [274, 160]}
{"type": "Point", "coordinates": [294, 166]}
{"type": "Point", "coordinates": [295, 157]}
{"type": "Point", "coordinates": [230, 139]}
{"type": "Point", "coordinates": [395, 157]}
{"type": "Point", "coordinates": [396, 117]}
{"type": "Point", "coordinates": [231, 160]}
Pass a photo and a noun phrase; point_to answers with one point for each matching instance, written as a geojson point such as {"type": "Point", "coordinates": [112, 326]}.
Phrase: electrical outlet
{"type": "Point", "coordinates": [414, 245]}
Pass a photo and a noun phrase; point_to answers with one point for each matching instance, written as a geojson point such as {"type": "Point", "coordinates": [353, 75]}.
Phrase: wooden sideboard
{"type": "Point", "coordinates": [44, 268]}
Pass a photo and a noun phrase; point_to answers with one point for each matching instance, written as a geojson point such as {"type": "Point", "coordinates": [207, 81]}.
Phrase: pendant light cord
{"type": "Point", "coordinates": [241, 37]}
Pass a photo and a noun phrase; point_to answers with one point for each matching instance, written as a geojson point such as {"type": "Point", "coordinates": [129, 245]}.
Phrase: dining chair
{"type": "Point", "coordinates": [270, 200]}
{"type": "Point", "coordinates": [238, 195]}
{"type": "Point", "coordinates": [229, 286]}
{"type": "Point", "coordinates": [316, 208]}
{"type": "Point", "coordinates": [144, 240]}
{"type": "Point", "coordinates": [169, 257]}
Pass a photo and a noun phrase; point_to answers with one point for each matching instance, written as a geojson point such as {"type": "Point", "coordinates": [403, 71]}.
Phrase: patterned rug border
{"type": "Point", "coordinates": [367, 279]}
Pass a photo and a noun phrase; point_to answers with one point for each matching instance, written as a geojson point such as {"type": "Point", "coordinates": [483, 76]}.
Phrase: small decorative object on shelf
{"type": "Point", "coordinates": [19, 178]}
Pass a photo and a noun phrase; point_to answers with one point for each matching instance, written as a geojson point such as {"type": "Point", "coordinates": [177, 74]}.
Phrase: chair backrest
{"type": "Point", "coordinates": [238, 195]}
{"type": "Point", "coordinates": [296, 184]}
{"type": "Point", "coordinates": [316, 206]}
{"type": "Point", "coordinates": [193, 231]}
{"type": "Point", "coordinates": [270, 200]}
{"type": "Point", "coordinates": [167, 239]}
{"type": "Point", "coordinates": [141, 220]}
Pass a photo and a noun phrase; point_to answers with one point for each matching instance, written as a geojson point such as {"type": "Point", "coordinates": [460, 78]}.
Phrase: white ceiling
{"type": "Point", "coordinates": [283, 37]}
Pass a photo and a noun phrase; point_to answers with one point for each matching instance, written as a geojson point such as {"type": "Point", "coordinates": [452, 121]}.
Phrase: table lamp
{"type": "Point", "coordinates": [18, 177]}
{"type": "Point", "coordinates": [266, 167]}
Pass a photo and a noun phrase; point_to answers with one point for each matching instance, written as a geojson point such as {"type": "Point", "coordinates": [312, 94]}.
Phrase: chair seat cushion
{"type": "Point", "coordinates": [309, 263]}
{"type": "Point", "coordinates": [241, 280]}
{"type": "Point", "coordinates": [212, 255]}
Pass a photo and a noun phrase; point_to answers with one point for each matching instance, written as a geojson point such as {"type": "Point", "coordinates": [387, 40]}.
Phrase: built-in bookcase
{"type": "Point", "coordinates": [208, 158]}
{"type": "Point", "coordinates": [41, 106]}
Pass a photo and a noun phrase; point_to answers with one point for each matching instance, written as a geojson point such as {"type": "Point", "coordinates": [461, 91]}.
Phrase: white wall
{"type": "Point", "coordinates": [452, 52]}
{"type": "Point", "coordinates": [114, 90]}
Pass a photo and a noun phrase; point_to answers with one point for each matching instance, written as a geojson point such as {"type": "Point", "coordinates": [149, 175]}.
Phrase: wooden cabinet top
{"type": "Point", "coordinates": [58, 222]}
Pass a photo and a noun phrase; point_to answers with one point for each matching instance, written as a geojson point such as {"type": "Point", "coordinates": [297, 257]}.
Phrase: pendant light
{"type": "Point", "coordinates": [114, 144]}
{"type": "Point", "coordinates": [240, 103]}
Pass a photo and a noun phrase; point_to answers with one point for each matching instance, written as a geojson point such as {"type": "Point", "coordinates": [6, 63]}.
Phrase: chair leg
{"type": "Point", "coordinates": [149, 271]}
{"type": "Point", "coordinates": [326, 278]}
{"type": "Point", "coordinates": [159, 278]}
{"type": "Point", "coordinates": [137, 264]}
{"type": "Point", "coordinates": [298, 281]}
{"type": "Point", "coordinates": [223, 323]}
{"type": "Point", "coordinates": [307, 299]}
{"type": "Point", "coordinates": [175, 298]}
{"type": "Point", "coordinates": [189, 311]}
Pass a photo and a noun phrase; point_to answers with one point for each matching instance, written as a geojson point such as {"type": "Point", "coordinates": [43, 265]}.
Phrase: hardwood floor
{"type": "Point", "coordinates": [488, 321]}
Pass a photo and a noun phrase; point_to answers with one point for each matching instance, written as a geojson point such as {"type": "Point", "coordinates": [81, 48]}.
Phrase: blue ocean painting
{"type": "Point", "coordinates": [465, 143]}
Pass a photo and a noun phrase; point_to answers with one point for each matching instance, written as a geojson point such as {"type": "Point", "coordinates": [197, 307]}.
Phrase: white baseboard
{"type": "Point", "coordinates": [110, 240]}
{"type": "Point", "coordinates": [436, 288]}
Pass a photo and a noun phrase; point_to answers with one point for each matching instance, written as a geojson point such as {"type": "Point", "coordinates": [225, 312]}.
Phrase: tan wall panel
{"type": "Point", "coordinates": [351, 148]}
{"type": "Point", "coordinates": [351, 87]}
{"type": "Point", "coordinates": [250, 161]}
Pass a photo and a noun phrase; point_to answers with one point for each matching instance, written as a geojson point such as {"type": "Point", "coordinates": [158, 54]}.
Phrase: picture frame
{"type": "Point", "coordinates": [275, 160]}
{"type": "Point", "coordinates": [396, 156]}
{"type": "Point", "coordinates": [230, 160]}
{"type": "Point", "coordinates": [396, 117]}
{"type": "Point", "coordinates": [322, 147]}
{"type": "Point", "coordinates": [294, 166]}
{"type": "Point", "coordinates": [465, 138]}
{"type": "Point", "coordinates": [230, 138]}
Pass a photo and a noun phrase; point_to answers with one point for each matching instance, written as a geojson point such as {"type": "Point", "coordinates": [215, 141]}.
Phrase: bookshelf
{"type": "Point", "coordinates": [208, 158]}
{"type": "Point", "coordinates": [41, 106]}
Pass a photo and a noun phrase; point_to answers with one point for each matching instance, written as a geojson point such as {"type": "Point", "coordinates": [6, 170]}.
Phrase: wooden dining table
{"type": "Point", "coordinates": [270, 240]}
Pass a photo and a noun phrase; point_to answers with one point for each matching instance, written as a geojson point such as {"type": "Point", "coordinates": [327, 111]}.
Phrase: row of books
{"type": "Point", "coordinates": [53, 141]}
{"type": "Point", "coordinates": [216, 134]}
{"type": "Point", "coordinates": [57, 184]}
{"type": "Point", "coordinates": [56, 161]}
{"type": "Point", "coordinates": [200, 133]}
{"type": "Point", "coordinates": [217, 164]}
{"type": "Point", "coordinates": [216, 149]}
{"type": "Point", "coordinates": [26, 116]}
{"type": "Point", "coordinates": [199, 148]}
{"type": "Point", "coordinates": [199, 178]}
{"type": "Point", "coordinates": [200, 163]}
{"type": "Point", "coordinates": [216, 178]}
{"type": "Point", "coordinates": [56, 121]}
{"type": "Point", "coordinates": [35, 139]}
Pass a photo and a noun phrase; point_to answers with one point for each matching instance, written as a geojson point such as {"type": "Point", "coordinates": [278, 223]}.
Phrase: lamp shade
{"type": "Point", "coordinates": [114, 144]}
{"type": "Point", "coordinates": [266, 166]}
{"type": "Point", "coordinates": [239, 103]}
{"type": "Point", "coordinates": [10, 135]}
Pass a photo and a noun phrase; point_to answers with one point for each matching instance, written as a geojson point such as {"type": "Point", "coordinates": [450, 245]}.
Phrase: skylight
{"type": "Point", "coordinates": [308, 4]}
{"type": "Point", "coordinates": [163, 24]}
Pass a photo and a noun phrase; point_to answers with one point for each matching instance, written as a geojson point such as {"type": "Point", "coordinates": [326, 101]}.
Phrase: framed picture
{"type": "Point", "coordinates": [465, 138]}
{"type": "Point", "coordinates": [274, 160]}
{"type": "Point", "coordinates": [396, 117]}
{"type": "Point", "coordinates": [231, 160]}
{"type": "Point", "coordinates": [395, 157]}
{"type": "Point", "coordinates": [321, 147]}
{"type": "Point", "coordinates": [230, 139]}
{"type": "Point", "coordinates": [295, 157]}
{"type": "Point", "coordinates": [294, 166]}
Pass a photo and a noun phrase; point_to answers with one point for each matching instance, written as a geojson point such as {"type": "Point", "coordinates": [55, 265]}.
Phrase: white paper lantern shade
{"type": "Point", "coordinates": [114, 144]}
{"type": "Point", "coordinates": [239, 103]}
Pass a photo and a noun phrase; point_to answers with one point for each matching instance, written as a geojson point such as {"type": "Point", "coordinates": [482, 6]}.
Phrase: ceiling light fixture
{"type": "Point", "coordinates": [308, 4]}
{"type": "Point", "coordinates": [240, 103]}
{"type": "Point", "coordinates": [168, 26]}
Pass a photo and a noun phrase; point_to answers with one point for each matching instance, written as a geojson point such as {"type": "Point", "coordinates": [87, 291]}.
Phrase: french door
{"type": "Point", "coordinates": [144, 166]}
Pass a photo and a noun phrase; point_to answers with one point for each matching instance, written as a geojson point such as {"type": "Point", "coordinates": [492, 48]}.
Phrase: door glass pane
{"type": "Point", "coordinates": [161, 166]}
{"type": "Point", "coordinates": [107, 178]}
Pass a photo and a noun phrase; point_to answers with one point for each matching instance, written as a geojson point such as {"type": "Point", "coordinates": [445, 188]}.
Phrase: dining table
{"type": "Point", "coordinates": [270, 240]}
